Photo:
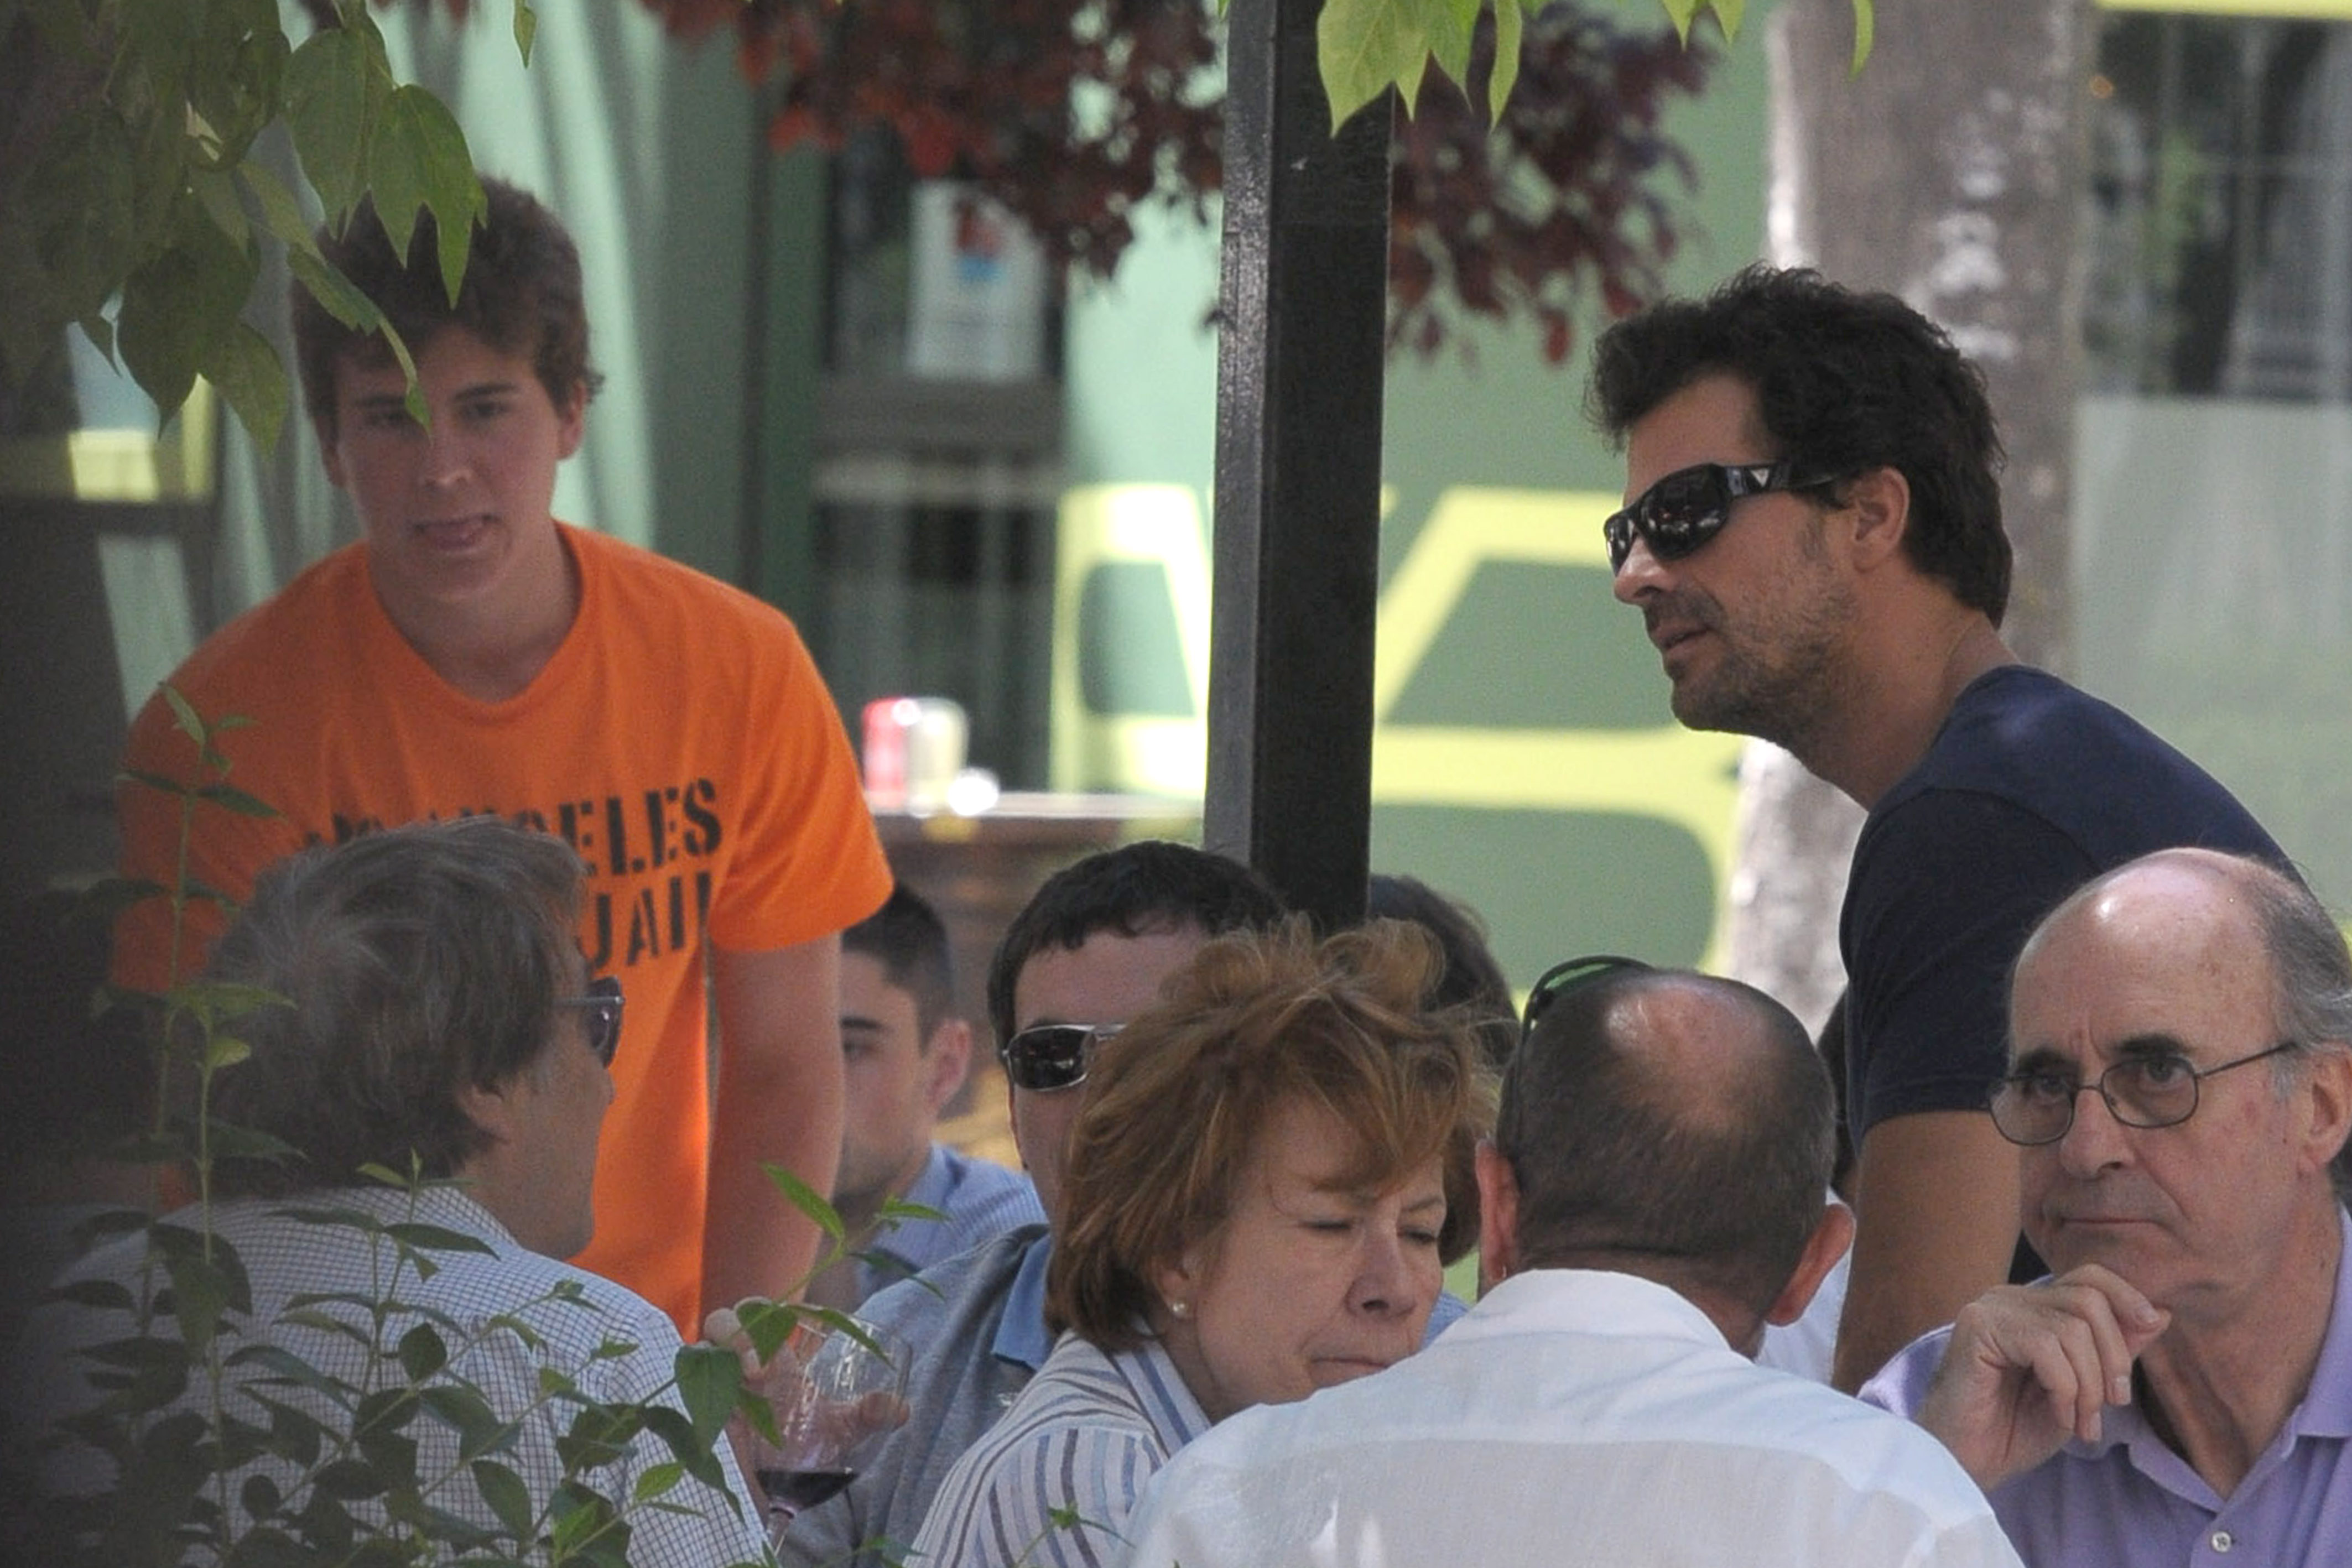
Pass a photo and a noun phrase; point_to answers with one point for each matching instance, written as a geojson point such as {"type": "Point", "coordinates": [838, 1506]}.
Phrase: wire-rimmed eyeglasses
{"type": "Point", "coordinates": [2036, 1106]}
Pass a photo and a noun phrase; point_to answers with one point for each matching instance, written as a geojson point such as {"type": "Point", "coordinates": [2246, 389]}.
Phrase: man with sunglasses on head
{"type": "Point", "coordinates": [1087, 954]}
{"type": "Point", "coordinates": [1650, 1200]}
{"type": "Point", "coordinates": [1812, 535]}
{"type": "Point", "coordinates": [2180, 1084]}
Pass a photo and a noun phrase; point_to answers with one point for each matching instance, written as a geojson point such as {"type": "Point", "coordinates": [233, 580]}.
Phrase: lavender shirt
{"type": "Point", "coordinates": [2129, 1501]}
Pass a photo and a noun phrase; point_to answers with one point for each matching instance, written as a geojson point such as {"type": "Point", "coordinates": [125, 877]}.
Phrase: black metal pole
{"type": "Point", "coordinates": [1298, 469]}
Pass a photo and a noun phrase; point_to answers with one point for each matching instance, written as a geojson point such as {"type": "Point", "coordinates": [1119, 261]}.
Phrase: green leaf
{"type": "Point", "coordinates": [767, 1324]}
{"type": "Point", "coordinates": [707, 1377]}
{"type": "Point", "coordinates": [216, 193]}
{"type": "Point", "coordinates": [526, 29]}
{"type": "Point", "coordinates": [225, 1050]}
{"type": "Point", "coordinates": [101, 1295]}
{"type": "Point", "coordinates": [1682, 13]}
{"type": "Point", "coordinates": [1865, 34]}
{"type": "Point", "coordinates": [842, 1323]}
{"type": "Point", "coordinates": [229, 798]}
{"type": "Point", "coordinates": [252, 382]}
{"type": "Point", "coordinates": [438, 1239]}
{"type": "Point", "coordinates": [79, 210]}
{"type": "Point", "coordinates": [332, 101]}
{"type": "Point", "coordinates": [467, 1412]}
{"type": "Point", "coordinates": [898, 1210]}
{"type": "Point", "coordinates": [1730, 12]}
{"type": "Point", "coordinates": [259, 1497]}
{"type": "Point", "coordinates": [1449, 24]}
{"type": "Point", "coordinates": [291, 1369]}
{"type": "Point", "coordinates": [658, 1480]}
{"type": "Point", "coordinates": [806, 1198]}
{"type": "Point", "coordinates": [235, 1143]}
{"type": "Point", "coordinates": [419, 160]}
{"type": "Point", "coordinates": [349, 1481]}
{"type": "Point", "coordinates": [507, 1498]}
{"type": "Point", "coordinates": [234, 85]}
{"type": "Point", "coordinates": [1510, 21]}
{"type": "Point", "coordinates": [422, 1354]}
{"type": "Point", "coordinates": [1362, 47]}
{"type": "Point", "coordinates": [686, 1443]}
{"type": "Point", "coordinates": [294, 1433]}
{"type": "Point", "coordinates": [180, 303]}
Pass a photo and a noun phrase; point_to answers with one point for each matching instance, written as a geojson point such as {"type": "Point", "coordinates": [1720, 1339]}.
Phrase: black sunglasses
{"type": "Point", "coordinates": [603, 1004]}
{"type": "Point", "coordinates": [1567, 975]}
{"type": "Point", "coordinates": [1683, 511]}
{"type": "Point", "coordinates": [1050, 1056]}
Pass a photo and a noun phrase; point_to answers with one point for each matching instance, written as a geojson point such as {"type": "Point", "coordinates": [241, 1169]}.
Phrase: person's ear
{"type": "Point", "coordinates": [1179, 1280]}
{"type": "Point", "coordinates": [1827, 1244]}
{"type": "Point", "coordinates": [491, 1110]}
{"type": "Point", "coordinates": [571, 421]}
{"type": "Point", "coordinates": [1498, 1217]}
{"type": "Point", "coordinates": [2326, 1094]}
{"type": "Point", "coordinates": [325, 427]}
{"type": "Point", "coordinates": [948, 1062]}
{"type": "Point", "coordinates": [1876, 513]}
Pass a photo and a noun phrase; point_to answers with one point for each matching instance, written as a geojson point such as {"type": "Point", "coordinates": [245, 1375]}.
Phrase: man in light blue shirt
{"type": "Point", "coordinates": [1087, 953]}
{"type": "Point", "coordinates": [906, 1054]}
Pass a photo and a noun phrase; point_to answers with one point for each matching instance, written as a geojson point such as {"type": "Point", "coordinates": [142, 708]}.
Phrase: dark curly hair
{"type": "Point", "coordinates": [1844, 382]}
{"type": "Point", "coordinates": [521, 296]}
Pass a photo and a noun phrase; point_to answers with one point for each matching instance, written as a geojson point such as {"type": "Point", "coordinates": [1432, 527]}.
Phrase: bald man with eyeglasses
{"type": "Point", "coordinates": [1812, 535]}
{"type": "Point", "coordinates": [2180, 1086]}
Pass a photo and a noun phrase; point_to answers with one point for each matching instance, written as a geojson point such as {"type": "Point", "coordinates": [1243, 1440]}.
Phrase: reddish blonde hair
{"type": "Point", "coordinates": [1259, 1021]}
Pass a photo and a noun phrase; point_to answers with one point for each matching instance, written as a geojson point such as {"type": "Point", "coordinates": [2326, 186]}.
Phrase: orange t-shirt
{"type": "Point", "coordinates": [680, 739]}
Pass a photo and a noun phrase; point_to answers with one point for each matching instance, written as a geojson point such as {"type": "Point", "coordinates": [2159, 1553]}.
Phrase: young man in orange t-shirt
{"type": "Point", "coordinates": [471, 653]}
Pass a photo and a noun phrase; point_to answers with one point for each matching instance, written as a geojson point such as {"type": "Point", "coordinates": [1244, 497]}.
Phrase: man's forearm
{"type": "Point", "coordinates": [1936, 1228]}
{"type": "Point", "coordinates": [780, 1103]}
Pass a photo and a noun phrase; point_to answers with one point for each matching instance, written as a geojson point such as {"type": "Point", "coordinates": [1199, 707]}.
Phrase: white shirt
{"type": "Point", "coordinates": [1572, 1418]}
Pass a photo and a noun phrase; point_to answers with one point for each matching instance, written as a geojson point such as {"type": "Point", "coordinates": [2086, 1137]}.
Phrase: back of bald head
{"type": "Point", "coordinates": [1671, 1125]}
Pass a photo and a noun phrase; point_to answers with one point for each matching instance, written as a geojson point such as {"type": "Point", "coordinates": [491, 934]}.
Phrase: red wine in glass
{"type": "Point", "coordinates": [799, 1490]}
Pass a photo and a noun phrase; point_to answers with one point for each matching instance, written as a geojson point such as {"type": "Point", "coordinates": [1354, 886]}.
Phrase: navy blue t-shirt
{"type": "Point", "coordinates": [2029, 790]}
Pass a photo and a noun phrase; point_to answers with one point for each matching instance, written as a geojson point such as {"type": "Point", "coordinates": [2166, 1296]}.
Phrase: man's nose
{"type": "Point", "coordinates": [446, 452]}
{"type": "Point", "coordinates": [1642, 573]}
{"type": "Point", "coordinates": [2093, 1141]}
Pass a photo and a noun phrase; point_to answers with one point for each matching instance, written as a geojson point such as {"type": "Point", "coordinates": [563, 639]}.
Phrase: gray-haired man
{"type": "Point", "coordinates": [436, 1017]}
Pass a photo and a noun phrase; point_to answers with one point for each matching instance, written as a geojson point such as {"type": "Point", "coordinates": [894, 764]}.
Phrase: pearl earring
{"type": "Point", "coordinates": [1179, 1308]}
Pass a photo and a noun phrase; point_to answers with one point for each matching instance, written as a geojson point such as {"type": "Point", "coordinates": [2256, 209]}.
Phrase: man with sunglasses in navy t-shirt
{"type": "Point", "coordinates": [1812, 534]}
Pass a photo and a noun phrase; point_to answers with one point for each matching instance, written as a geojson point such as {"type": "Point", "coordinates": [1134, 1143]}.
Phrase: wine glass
{"type": "Point", "coordinates": [849, 1390]}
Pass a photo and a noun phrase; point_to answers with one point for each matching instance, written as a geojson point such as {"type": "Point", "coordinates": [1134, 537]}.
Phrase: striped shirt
{"type": "Point", "coordinates": [1051, 1484]}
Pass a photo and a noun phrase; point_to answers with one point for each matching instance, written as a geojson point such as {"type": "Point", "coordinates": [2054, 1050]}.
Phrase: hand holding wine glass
{"type": "Point", "coordinates": [834, 1394]}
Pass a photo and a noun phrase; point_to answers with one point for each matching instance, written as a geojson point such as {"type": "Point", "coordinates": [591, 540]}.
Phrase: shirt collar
{"type": "Point", "coordinates": [1586, 1301]}
{"type": "Point", "coordinates": [914, 1244]}
{"type": "Point", "coordinates": [2325, 1410]}
{"type": "Point", "coordinates": [1021, 1337]}
{"type": "Point", "coordinates": [2326, 1407]}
